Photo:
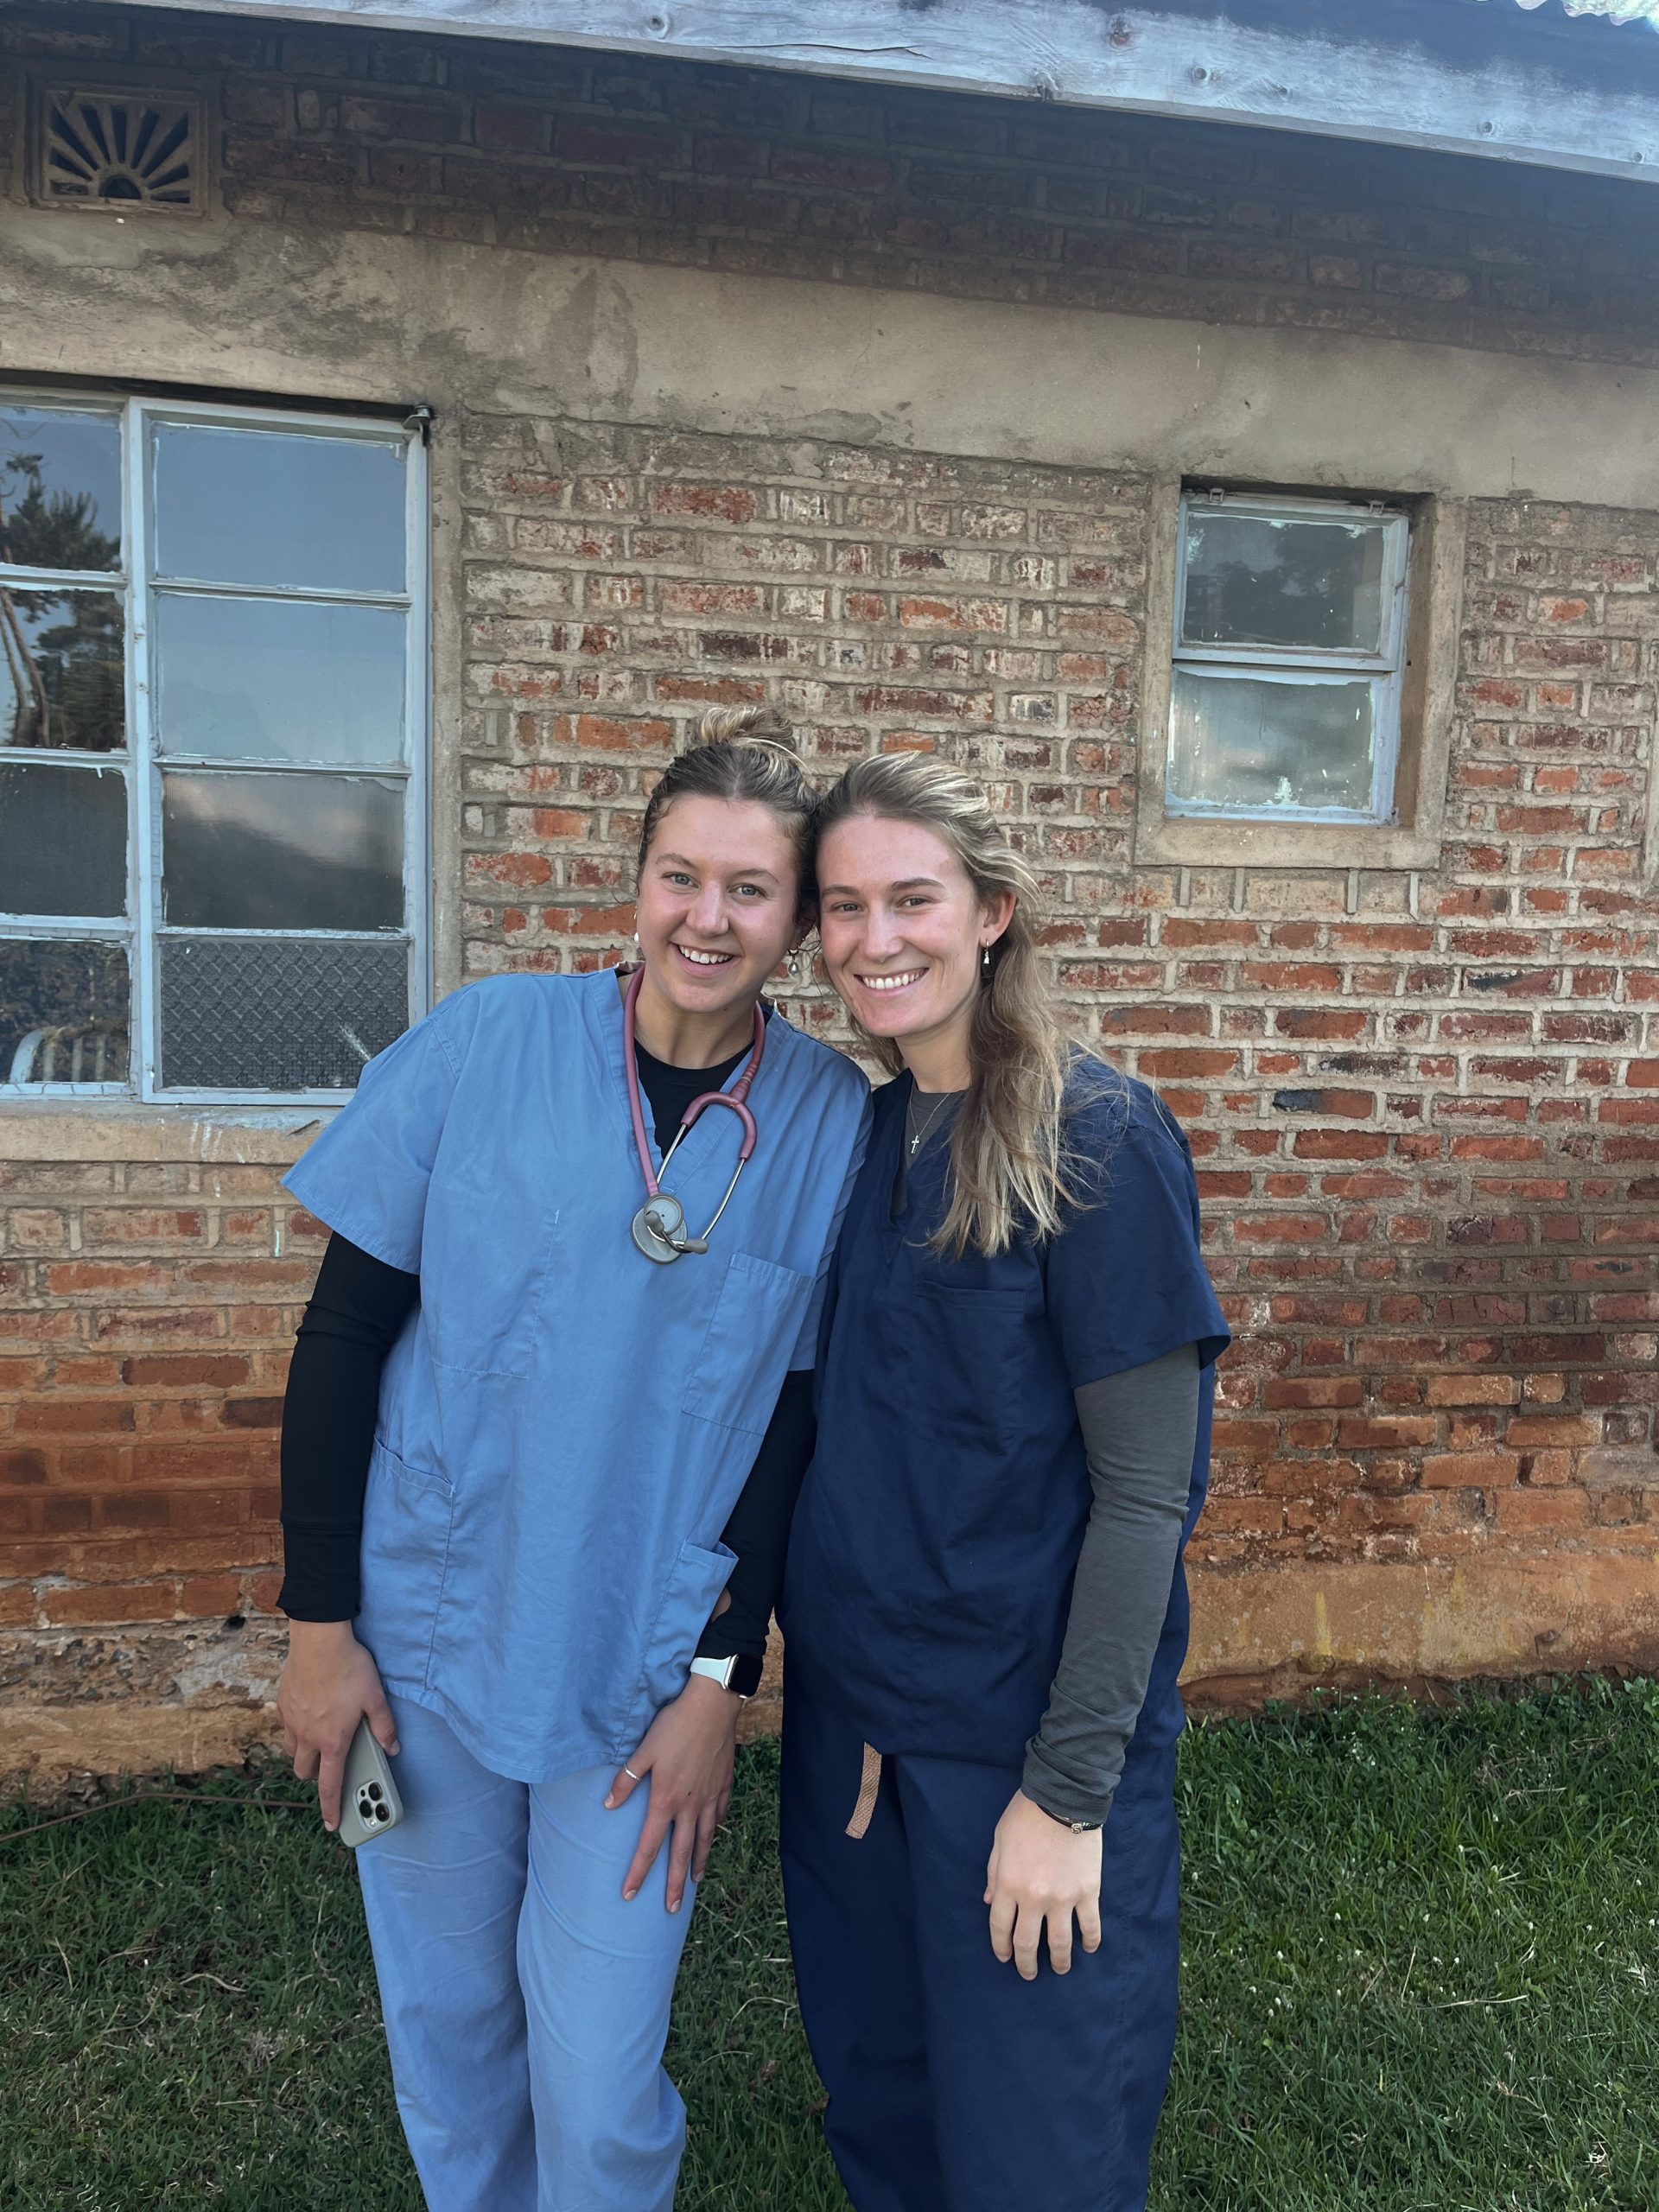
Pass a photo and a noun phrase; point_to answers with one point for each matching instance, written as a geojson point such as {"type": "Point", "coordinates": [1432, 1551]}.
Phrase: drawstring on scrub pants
{"type": "Point", "coordinates": [869, 1781]}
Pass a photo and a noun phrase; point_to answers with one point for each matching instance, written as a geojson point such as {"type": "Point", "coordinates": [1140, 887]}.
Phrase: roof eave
{"type": "Point", "coordinates": [1403, 75]}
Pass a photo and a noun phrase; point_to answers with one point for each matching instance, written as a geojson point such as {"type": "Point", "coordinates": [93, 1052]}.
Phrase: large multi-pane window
{"type": "Point", "coordinates": [1290, 629]}
{"type": "Point", "coordinates": [212, 732]}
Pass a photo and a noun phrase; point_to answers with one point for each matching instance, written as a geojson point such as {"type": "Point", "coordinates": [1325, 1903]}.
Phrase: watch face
{"type": "Point", "coordinates": [745, 1676]}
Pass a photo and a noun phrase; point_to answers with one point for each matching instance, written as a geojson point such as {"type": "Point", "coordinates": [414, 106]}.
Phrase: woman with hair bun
{"type": "Point", "coordinates": [984, 1610]}
{"type": "Point", "coordinates": [548, 1412]}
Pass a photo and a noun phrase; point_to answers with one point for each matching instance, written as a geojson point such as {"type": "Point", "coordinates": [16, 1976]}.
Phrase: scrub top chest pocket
{"type": "Point", "coordinates": [967, 1352]}
{"type": "Point", "coordinates": [757, 1316]}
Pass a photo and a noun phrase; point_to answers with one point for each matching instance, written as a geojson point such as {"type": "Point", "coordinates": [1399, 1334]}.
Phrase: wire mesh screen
{"type": "Point", "coordinates": [63, 1011]}
{"type": "Point", "coordinates": [283, 1013]}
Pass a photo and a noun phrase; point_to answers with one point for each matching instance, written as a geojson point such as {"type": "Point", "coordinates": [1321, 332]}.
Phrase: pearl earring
{"type": "Point", "coordinates": [794, 964]}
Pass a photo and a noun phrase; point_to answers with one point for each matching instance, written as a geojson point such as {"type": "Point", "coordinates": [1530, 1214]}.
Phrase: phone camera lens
{"type": "Point", "coordinates": [374, 1791]}
{"type": "Point", "coordinates": [383, 1812]}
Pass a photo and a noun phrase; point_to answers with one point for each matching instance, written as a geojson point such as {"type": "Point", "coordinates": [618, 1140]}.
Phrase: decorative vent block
{"type": "Point", "coordinates": [119, 150]}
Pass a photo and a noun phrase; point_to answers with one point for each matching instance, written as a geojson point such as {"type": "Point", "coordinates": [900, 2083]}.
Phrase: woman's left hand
{"type": "Point", "coordinates": [688, 1752]}
{"type": "Point", "coordinates": [1040, 1872]}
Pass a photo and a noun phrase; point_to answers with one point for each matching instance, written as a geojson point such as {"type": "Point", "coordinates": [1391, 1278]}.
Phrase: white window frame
{"type": "Point", "coordinates": [1300, 665]}
{"type": "Point", "coordinates": [142, 930]}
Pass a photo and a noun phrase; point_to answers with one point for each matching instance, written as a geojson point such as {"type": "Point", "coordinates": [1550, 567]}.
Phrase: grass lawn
{"type": "Point", "coordinates": [1420, 1946]}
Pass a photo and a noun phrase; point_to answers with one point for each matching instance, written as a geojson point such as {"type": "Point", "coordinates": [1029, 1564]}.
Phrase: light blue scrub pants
{"type": "Point", "coordinates": [526, 2005]}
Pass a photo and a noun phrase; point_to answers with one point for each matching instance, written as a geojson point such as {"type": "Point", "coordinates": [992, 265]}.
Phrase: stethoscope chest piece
{"type": "Point", "coordinates": [659, 1230]}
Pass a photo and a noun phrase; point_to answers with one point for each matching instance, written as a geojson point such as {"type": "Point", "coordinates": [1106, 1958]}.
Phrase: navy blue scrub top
{"type": "Point", "coordinates": [938, 1533]}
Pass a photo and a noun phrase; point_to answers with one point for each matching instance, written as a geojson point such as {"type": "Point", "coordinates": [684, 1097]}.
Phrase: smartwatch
{"type": "Point", "coordinates": [741, 1673]}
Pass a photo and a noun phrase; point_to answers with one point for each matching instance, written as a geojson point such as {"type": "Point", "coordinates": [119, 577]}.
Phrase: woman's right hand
{"type": "Point", "coordinates": [328, 1685]}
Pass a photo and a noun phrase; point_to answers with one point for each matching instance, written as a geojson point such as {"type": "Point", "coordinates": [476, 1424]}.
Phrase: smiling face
{"type": "Point", "coordinates": [717, 909]}
{"type": "Point", "coordinates": [903, 930]}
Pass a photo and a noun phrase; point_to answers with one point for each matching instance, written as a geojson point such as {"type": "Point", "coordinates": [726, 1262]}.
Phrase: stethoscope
{"type": "Point", "coordinates": [658, 1228]}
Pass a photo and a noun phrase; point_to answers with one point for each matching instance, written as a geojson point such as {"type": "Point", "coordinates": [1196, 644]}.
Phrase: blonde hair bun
{"type": "Point", "coordinates": [763, 725]}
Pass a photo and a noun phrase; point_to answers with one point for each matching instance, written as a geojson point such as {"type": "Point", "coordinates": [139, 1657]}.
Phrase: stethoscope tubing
{"type": "Point", "coordinates": [736, 1098]}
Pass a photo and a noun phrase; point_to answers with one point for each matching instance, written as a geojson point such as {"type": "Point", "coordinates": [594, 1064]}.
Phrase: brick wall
{"type": "Point", "coordinates": [1424, 1104]}
{"type": "Point", "coordinates": [561, 151]}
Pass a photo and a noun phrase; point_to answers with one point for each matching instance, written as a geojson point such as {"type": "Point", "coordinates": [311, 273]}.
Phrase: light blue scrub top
{"type": "Point", "coordinates": [564, 1425]}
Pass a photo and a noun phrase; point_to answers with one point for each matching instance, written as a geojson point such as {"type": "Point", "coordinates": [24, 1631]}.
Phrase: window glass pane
{"type": "Point", "coordinates": [279, 508]}
{"type": "Point", "coordinates": [281, 852]}
{"type": "Point", "coordinates": [63, 839]}
{"type": "Point", "coordinates": [272, 679]}
{"type": "Point", "coordinates": [62, 679]}
{"type": "Point", "coordinates": [242, 1014]}
{"type": "Point", "coordinates": [63, 1012]}
{"type": "Point", "coordinates": [1258, 743]}
{"type": "Point", "coordinates": [1252, 580]}
{"type": "Point", "coordinates": [60, 489]}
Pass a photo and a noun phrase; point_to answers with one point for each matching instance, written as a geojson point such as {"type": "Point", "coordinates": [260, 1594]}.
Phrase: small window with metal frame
{"type": "Point", "coordinates": [213, 733]}
{"type": "Point", "coordinates": [1290, 639]}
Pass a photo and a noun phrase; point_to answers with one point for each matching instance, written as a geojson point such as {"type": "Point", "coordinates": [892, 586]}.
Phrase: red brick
{"type": "Point", "coordinates": [1541, 1509]}
{"type": "Point", "coordinates": [1178, 1060]}
{"type": "Point", "coordinates": [1334, 1390]}
{"type": "Point", "coordinates": [1340, 1144]}
{"type": "Point", "coordinates": [1470, 1470]}
{"type": "Point", "coordinates": [1357, 1435]}
{"type": "Point", "coordinates": [1317, 1022]}
{"type": "Point", "coordinates": [168, 1370]}
{"type": "Point", "coordinates": [81, 1416]}
{"type": "Point", "coordinates": [592, 146]}
{"type": "Point", "coordinates": [69, 1278]}
{"type": "Point", "coordinates": [99, 1603]}
{"type": "Point", "coordinates": [1552, 1431]}
{"type": "Point", "coordinates": [1281, 1228]}
{"type": "Point", "coordinates": [207, 1597]}
{"type": "Point", "coordinates": [253, 1413]}
{"type": "Point", "coordinates": [706, 502]}
{"type": "Point", "coordinates": [589, 921]}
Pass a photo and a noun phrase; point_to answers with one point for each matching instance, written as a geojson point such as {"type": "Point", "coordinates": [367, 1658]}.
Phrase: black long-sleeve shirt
{"type": "Point", "coordinates": [357, 1312]}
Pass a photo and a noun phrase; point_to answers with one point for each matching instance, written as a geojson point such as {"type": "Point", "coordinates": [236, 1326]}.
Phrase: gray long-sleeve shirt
{"type": "Point", "coordinates": [1139, 1429]}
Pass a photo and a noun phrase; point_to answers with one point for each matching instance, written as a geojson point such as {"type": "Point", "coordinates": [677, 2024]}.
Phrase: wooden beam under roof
{"type": "Point", "coordinates": [1442, 75]}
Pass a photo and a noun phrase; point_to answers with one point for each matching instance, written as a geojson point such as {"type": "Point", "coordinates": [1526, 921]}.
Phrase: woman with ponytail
{"type": "Point", "coordinates": [546, 1422]}
{"type": "Point", "coordinates": [984, 1610]}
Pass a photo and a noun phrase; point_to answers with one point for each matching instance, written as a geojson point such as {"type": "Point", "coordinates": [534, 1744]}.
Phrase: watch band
{"type": "Point", "coordinates": [740, 1674]}
{"type": "Point", "coordinates": [1077, 1827]}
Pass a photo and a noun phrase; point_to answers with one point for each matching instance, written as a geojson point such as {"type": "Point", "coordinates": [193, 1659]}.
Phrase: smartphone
{"type": "Point", "coordinates": [369, 1803]}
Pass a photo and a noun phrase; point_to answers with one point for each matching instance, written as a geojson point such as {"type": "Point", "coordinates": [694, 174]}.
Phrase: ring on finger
{"type": "Point", "coordinates": [631, 1775]}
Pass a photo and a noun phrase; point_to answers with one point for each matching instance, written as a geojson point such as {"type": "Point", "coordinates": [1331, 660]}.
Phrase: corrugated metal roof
{"type": "Point", "coordinates": [1618, 11]}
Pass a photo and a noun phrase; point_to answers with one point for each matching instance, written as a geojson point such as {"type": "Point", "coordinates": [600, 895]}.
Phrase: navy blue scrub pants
{"type": "Point", "coordinates": [954, 2086]}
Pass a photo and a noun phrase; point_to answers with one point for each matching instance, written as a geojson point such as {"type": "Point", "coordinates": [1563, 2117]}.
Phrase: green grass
{"type": "Point", "coordinates": [1422, 1975]}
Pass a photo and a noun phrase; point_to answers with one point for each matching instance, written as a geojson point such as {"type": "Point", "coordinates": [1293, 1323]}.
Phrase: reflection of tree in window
{"type": "Point", "coordinates": [65, 673]}
{"type": "Point", "coordinates": [1291, 584]}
